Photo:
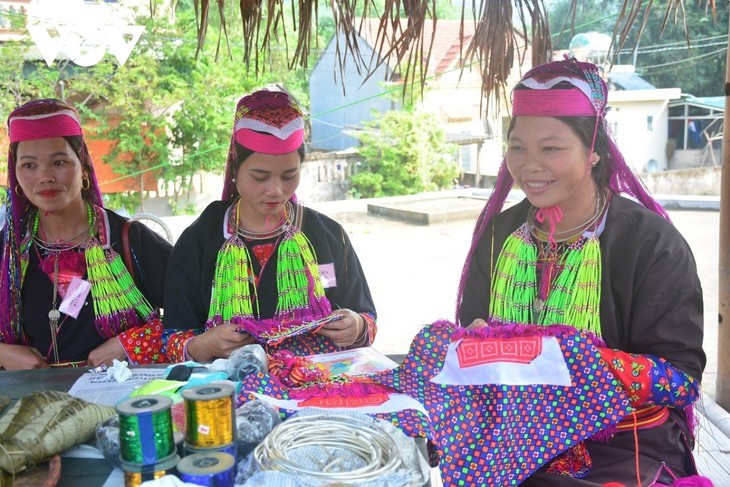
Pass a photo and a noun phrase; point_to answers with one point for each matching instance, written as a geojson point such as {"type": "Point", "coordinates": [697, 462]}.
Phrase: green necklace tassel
{"type": "Point", "coordinates": [574, 295]}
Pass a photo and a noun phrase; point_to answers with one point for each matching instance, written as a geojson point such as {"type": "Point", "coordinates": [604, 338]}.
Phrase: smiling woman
{"type": "Point", "coordinates": [66, 298]}
{"type": "Point", "coordinates": [578, 253]}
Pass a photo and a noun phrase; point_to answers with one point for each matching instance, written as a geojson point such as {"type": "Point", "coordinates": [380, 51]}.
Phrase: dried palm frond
{"type": "Point", "coordinates": [406, 27]}
{"type": "Point", "coordinates": [631, 9]}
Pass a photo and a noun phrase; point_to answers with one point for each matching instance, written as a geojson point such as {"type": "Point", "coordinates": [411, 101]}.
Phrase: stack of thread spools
{"type": "Point", "coordinates": [210, 443]}
{"type": "Point", "coordinates": [147, 447]}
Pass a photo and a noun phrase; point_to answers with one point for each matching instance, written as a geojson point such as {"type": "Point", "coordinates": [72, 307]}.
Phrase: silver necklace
{"type": "Point", "coordinates": [568, 234]}
{"type": "Point", "coordinates": [283, 226]}
{"type": "Point", "coordinates": [54, 314]}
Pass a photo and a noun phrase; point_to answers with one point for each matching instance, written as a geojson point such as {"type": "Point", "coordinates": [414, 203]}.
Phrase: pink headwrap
{"type": "Point", "coordinates": [269, 122]}
{"type": "Point", "coordinates": [585, 94]}
{"type": "Point", "coordinates": [38, 119]}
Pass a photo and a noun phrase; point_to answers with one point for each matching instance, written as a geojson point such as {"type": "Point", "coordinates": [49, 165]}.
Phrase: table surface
{"type": "Point", "coordinates": [74, 471]}
{"type": "Point", "coordinates": [712, 452]}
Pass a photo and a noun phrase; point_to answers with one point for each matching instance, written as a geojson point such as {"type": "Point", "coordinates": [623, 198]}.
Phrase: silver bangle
{"type": "Point", "coordinates": [364, 329]}
{"type": "Point", "coordinates": [326, 440]}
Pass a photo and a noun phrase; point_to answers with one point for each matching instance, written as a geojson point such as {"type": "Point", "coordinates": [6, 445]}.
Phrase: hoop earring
{"type": "Point", "coordinates": [19, 191]}
{"type": "Point", "coordinates": [88, 184]}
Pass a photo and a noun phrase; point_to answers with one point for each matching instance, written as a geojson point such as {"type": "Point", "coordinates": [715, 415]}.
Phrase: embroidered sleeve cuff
{"type": "Point", "coordinates": [367, 336]}
{"type": "Point", "coordinates": [176, 344]}
{"type": "Point", "coordinates": [650, 380]}
{"type": "Point", "coordinates": [143, 344]}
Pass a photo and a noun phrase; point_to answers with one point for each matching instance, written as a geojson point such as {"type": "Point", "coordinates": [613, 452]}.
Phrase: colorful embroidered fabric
{"type": "Point", "coordinates": [143, 344]}
{"type": "Point", "coordinates": [174, 342]}
{"type": "Point", "coordinates": [650, 380]}
{"type": "Point", "coordinates": [412, 422]}
{"type": "Point", "coordinates": [494, 434]}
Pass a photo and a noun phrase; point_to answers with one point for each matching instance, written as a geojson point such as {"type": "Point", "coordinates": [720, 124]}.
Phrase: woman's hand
{"type": "Point", "coordinates": [106, 353]}
{"type": "Point", "coordinates": [346, 330]}
{"type": "Point", "coordinates": [218, 342]}
{"type": "Point", "coordinates": [21, 357]}
{"type": "Point", "coordinates": [477, 323]}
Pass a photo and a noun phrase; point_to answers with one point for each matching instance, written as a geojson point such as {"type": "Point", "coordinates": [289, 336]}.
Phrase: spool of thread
{"type": "Point", "coordinates": [135, 479]}
{"type": "Point", "coordinates": [231, 449]}
{"type": "Point", "coordinates": [145, 430]}
{"type": "Point", "coordinates": [209, 415]}
{"type": "Point", "coordinates": [135, 475]}
{"type": "Point", "coordinates": [214, 469]}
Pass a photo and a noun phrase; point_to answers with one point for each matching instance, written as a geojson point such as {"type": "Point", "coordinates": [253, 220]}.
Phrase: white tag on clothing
{"type": "Point", "coordinates": [327, 275]}
{"type": "Point", "coordinates": [75, 298]}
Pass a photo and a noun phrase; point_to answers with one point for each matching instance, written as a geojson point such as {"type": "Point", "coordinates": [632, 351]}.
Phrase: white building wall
{"type": "Point", "coordinates": [639, 120]}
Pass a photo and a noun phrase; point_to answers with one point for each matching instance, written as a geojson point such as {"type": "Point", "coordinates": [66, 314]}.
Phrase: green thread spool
{"type": "Point", "coordinates": [145, 430]}
{"type": "Point", "coordinates": [209, 415]}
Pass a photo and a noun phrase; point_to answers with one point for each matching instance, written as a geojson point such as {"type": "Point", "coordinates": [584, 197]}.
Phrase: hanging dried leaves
{"type": "Point", "coordinates": [405, 33]}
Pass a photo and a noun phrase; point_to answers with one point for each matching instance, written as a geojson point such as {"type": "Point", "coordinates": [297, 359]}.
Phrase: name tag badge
{"type": "Point", "coordinates": [327, 275]}
{"type": "Point", "coordinates": [75, 298]}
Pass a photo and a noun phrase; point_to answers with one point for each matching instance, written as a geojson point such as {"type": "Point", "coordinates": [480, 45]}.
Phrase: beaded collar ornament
{"type": "Point", "coordinates": [301, 304]}
{"type": "Point", "coordinates": [118, 303]}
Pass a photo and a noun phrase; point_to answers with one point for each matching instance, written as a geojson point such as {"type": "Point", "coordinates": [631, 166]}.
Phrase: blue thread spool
{"type": "Point", "coordinates": [215, 469]}
{"type": "Point", "coordinates": [230, 448]}
{"type": "Point", "coordinates": [145, 431]}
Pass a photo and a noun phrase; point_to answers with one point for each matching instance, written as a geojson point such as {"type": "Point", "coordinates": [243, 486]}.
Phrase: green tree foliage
{"type": "Point", "coordinates": [404, 152]}
{"type": "Point", "coordinates": [663, 59]}
{"type": "Point", "coordinates": [166, 110]}
{"type": "Point", "coordinates": [666, 61]}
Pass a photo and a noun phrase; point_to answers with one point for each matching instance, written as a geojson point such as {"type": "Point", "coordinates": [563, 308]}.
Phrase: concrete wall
{"type": "Point", "coordinates": [698, 181]}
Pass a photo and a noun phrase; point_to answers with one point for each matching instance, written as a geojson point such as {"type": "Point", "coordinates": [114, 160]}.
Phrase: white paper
{"type": "Point", "coordinates": [100, 389]}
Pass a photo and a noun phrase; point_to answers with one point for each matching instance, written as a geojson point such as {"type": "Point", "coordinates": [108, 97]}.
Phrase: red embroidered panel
{"type": "Point", "coordinates": [345, 402]}
{"type": "Point", "coordinates": [518, 350]}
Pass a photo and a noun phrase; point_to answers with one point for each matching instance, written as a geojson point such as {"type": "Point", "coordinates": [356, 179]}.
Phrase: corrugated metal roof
{"type": "Point", "coordinates": [629, 81]}
{"type": "Point", "coordinates": [710, 102]}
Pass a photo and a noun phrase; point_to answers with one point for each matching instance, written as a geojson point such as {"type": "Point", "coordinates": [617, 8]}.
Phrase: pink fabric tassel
{"type": "Point", "coordinates": [553, 216]}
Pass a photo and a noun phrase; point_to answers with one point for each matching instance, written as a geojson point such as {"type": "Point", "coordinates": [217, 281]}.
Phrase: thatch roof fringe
{"type": "Point", "coordinates": [404, 34]}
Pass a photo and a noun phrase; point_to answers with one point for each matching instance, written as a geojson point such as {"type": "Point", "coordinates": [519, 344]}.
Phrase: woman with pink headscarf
{"type": "Point", "coordinates": [66, 297]}
{"type": "Point", "coordinates": [577, 252]}
{"type": "Point", "coordinates": [258, 266]}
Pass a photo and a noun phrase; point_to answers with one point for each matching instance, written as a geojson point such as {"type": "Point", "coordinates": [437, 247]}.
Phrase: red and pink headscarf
{"type": "Point", "coordinates": [38, 119]}
{"type": "Point", "coordinates": [266, 121]}
{"type": "Point", "coordinates": [583, 93]}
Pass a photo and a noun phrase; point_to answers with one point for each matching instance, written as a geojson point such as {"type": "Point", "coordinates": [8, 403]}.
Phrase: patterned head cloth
{"type": "Point", "coordinates": [38, 119]}
{"type": "Point", "coordinates": [266, 121]}
{"type": "Point", "coordinates": [583, 93]}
